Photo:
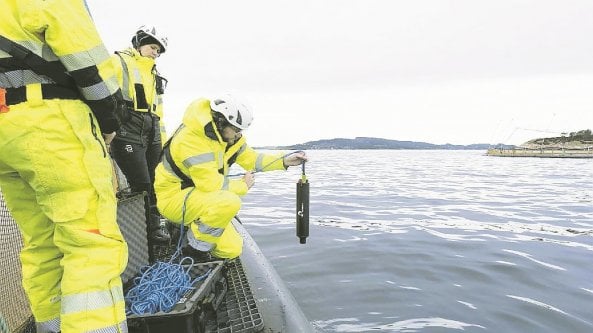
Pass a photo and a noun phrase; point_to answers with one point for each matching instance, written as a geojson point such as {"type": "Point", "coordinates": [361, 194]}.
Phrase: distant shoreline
{"type": "Point", "coordinates": [370, 143]}
{"type": "Point", "coordinates": [367, 143]}
{"type": "Point", "coordinates": [410, 149]}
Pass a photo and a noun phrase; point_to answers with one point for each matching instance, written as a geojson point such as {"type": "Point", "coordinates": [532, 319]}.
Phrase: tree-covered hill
{"type": "Point", "coordinates": [573, 139]}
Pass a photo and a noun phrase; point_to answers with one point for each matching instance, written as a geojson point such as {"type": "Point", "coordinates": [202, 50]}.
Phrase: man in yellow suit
{"type": "Point", "coordinates": [58, 96]}
{"type": "Point", "coordinates": [194, 174]}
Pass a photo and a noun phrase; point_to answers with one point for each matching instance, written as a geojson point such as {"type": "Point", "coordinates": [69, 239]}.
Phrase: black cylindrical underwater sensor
{"type": "Point", "coordinates": [302, 210]}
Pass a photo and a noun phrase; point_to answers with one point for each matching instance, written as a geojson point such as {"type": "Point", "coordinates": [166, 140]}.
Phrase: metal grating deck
{"type": "Point", "coordinates": [239, 312]}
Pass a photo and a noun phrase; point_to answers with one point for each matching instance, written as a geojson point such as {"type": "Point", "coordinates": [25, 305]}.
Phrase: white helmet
{"type": "Point", "coordinates": [145, 34]}
{"type": "Point", "coordinates": [235, 112]}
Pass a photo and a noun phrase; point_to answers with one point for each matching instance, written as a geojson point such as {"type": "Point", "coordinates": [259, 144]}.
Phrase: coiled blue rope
{"type": "Point", "coordinates": [160, 285]}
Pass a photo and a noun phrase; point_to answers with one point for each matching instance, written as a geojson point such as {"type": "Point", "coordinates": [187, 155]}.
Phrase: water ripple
{"type": "Point", "coordinates": [547, 307]}
{"type": "Point", "coordinates": [508, 231]}
{"type": "Point", "coordinates": [409, 325]}
{"type": "Point", "coordinates": [528, 256]}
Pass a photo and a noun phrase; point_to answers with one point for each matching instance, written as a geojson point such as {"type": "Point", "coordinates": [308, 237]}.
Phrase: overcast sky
{"type": "Point", "coordinates": [464, 71]}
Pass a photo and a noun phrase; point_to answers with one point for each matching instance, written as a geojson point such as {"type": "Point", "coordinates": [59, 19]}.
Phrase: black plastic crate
{"type": "Point", "coordinates": [191, 313]}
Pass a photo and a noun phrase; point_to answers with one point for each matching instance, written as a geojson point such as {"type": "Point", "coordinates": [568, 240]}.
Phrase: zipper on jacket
{"type": "Point", "coordinates": [94, 131]}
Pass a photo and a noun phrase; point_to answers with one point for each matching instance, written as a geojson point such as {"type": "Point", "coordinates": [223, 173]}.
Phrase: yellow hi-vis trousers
{"type": "Point", "coordinates": [56, 179]}
{"type": "Point", "coordinates": [208, 214]}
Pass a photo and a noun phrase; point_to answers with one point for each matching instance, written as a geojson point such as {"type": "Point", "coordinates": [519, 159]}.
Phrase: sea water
{"type": "Point", "coordinates": [433, 241]}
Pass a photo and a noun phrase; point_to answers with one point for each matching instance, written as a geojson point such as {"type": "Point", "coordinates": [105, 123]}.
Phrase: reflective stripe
{"type": "Point", "coordinates": [47, 53]}
{"type": "Point", "coordinates": [35, 46]}
{"type": "Point", "coordinates": [121, 327]}
{"type": "Point", "coordinates": [259, 162]}
{"type": "Point", "coordinates": [163, 129]}
{"type": "Point", "coordinates": [198, 159]}
{"type": "Point", "coordinates": [199, 244]}
{"type": "Point", "coordinates": [125, 89]}
{"type": "Point", "coordinates": [220, 160]}
{"type": "Point", "coordinates": [225, 184]}
{"type": "Point", "coordinates": [96, 92]}
{"type": "Point", "coordinates": [21, 77]}
{"type": "Point", "coordinates": [167, 167]}
{"type": "Point", "coordinates": [85, 59]}
{"type": "Point", "coordinates": [92, 300]}
{"type": "Point", "coordinates": [112, 84]}
{"type": "Point", "coordinates": [40, 49]}
{"type": "Point", "coordinates": [206, 229]}
{"type": "Point", "coordinates": [242, 149]}
{"type": "Point", "coordinates": [49, 326]}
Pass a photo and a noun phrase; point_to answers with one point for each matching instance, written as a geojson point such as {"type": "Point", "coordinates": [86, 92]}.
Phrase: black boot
{"type": "Point", "coordinates": [158, 231]}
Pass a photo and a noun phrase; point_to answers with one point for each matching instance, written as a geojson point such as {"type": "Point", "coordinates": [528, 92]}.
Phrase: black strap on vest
{"type": "Point", "coordinates": [185, 180]}
{"type": "Point", "coordinates": [48, 91]}
{"type": "Point", "coordinates": [166, 153]}
{"type": "Point", "coordinates": [54, 70]}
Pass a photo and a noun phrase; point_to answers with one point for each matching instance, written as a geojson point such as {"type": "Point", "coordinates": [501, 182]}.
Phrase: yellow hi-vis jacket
{"type": "Point", "coordinates": [137, 77]}
{"type": "Point", "coordinates": [75, 45]}
{"type": "Point", "coordinates": [200, 153]}
{"type": "Point", "coordinates": [208, 205]}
